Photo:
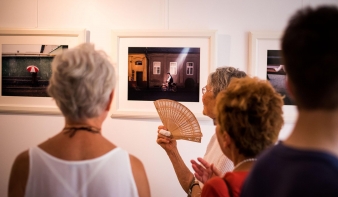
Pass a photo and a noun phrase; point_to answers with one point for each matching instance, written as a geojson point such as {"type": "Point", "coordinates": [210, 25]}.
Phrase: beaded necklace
{"type": "Point", "coordinates": [244, 161]}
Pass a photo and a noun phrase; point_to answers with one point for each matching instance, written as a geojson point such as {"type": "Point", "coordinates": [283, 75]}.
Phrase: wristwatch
{"type": "Point", "coordinates": [192, 184]}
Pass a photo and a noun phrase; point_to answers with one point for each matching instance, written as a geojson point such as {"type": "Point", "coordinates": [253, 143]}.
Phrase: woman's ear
{"type": "Point", "coordinates": [227, 139]}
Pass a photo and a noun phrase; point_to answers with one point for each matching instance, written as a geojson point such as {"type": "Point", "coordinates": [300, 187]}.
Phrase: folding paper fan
{"type": "Point", "coordinates": [179, 120]}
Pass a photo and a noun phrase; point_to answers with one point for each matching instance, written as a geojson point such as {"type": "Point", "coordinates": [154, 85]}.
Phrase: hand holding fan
{"type": "Point", "coordinates": [179, 120]}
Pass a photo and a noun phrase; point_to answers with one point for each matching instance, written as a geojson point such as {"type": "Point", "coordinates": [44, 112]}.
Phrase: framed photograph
{"type": "Point", "coordinates": [26, 55]}
{"type": "Point", "coordinates": [266, 63]}
{"type": "Point", "coordinates": [160, 65]}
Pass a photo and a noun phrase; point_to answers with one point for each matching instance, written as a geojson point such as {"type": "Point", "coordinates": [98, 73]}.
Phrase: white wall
{"type": "Point", "coordinates": [232, 19]}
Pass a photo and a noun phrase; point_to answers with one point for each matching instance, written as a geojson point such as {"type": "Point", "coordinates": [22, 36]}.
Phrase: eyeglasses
{"type": "Point", "coordinates": [204, 90]}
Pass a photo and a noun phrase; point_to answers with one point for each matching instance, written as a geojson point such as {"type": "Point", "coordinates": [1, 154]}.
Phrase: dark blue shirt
{"type": "Point", "coordinates": [284, 171]}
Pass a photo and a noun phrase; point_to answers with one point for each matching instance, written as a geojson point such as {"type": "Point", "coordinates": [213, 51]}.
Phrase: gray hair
{"type": "Point", "coordinates": [220, 79]}
{"type": "Point", "coordinates": [81, 82]}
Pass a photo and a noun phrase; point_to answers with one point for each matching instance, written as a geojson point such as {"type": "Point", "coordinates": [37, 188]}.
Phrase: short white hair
{"type": "Point", "coordinates": [220, 79]}
{"type": "Point", "coordinates": [81, 82]}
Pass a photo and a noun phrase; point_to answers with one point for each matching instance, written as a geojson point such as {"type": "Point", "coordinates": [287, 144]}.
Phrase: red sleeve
{"type": "Point", "coordinates": [215, 187]}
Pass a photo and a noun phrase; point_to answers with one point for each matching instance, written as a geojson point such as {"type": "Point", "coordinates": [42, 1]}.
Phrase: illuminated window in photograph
{"type": "Point", "coordinates": [156, 68]}
{"type": "Point", "coordinates": [190, 68]}
{"type": "Point", "coordinates": [173, 68]}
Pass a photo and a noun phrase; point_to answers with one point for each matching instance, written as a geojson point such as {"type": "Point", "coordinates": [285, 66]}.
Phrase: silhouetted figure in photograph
{"type": "Point", "coordinates": [170, 82]}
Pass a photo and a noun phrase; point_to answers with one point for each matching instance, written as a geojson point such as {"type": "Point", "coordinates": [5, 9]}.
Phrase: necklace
{"type": "Point", "coordinates": [244, 161]}
{"type": "Point", "coordinates": [73, 130]}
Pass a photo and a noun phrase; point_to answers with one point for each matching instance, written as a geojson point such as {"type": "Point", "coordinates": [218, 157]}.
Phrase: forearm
{"type": "Point", "coordinates": [182, 172]}
{"type": "Point", "coordinates": [196, 191]}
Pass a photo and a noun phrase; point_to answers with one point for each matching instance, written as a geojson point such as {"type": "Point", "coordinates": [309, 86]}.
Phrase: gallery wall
{"type": "Point", "coordinates": [233, 21]}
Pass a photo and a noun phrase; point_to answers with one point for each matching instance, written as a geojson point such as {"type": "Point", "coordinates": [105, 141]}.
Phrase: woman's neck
{"type": "Point", "coordinates": [91, 122]}
{"type": "Point", "coordinates": [90, 125]}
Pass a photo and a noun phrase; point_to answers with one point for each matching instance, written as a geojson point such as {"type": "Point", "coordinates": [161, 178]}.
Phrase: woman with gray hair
{"type": "Point", "coordinates": [79, 161]}
{"type": "Point", "coordinates": [217, 81]}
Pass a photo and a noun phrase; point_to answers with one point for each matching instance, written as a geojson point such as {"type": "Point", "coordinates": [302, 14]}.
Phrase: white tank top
{"type": "Point", "coordinates": [107, 175]}
{"type": "Point", "coordinates": [215, 155]}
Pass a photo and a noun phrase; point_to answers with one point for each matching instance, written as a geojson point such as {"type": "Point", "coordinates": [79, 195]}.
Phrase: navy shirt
{"type": "Point", "coordinates": [285, 171]}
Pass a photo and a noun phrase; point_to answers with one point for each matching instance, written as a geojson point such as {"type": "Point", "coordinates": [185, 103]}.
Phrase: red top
{"type": "Point", "coordinates": [229, 186]}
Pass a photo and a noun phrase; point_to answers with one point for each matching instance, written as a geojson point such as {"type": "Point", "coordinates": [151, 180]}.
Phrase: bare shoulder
{"type": "Point", "coordinates": [137, 167]}
{"type": "Point", "coordinates": [19, 175]}
{"type": "Point", "coordinates": [140, 176]}
{"type": "Point", "coordinates": [135, 162]}
{"type": "Point", "coordinates": [23, 157]}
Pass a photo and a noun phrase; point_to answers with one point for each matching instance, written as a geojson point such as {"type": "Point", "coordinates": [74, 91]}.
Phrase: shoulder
{"type": "Point", "coordinates": [282, 156]}
{"type": "Point", "coordinates": [271, 155]}
{"type": "Point", "coordinates": [269, 162]}
{"type": "Point", "coordinates": [19, 175]}
{"type": "Point", "coordinates": [140, 176]}
{"type": "Point", "coordinates": [238, 175]}
{"type": "Point", "coordinates": [290, 167]}
{"type": "Point", "coordinates": [137, 167]}
{"type": "Point", "coordinates": [135, 162]}
{"type": "Point", "coordinates": [215, 187]}
{"type": "Point", "coordinates": [23, 157]}
{"type": "Point", "coordinates": [235, 181]}
{"type": "Point", "coordinates": [21, 162]}
{"type": "Point", "coordinates": [215, 181]}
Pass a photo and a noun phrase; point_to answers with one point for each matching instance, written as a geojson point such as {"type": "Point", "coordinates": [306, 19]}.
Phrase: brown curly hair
{"type": "Point", "coordinates": [250, 111]}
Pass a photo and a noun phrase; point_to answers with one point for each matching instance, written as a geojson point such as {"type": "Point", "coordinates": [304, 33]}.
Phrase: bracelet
{"type": "Point", "coordinates": [192, 182]}
{"type": "Point", "coordinates": [191, 187]}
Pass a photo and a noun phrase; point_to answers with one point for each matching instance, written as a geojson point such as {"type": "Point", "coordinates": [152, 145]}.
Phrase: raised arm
{"type": "Point", "coordinates": [184, 176]}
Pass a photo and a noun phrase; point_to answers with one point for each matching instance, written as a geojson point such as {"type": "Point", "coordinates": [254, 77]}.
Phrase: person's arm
{"type": "Point", "coordinates": [140, 177]}
{"type": "Point", "coordinates": [196, 191]}
{"type": "Point", "coordinates": [19, 175]}
{"type": "Point", "coordinates": [184, 176]}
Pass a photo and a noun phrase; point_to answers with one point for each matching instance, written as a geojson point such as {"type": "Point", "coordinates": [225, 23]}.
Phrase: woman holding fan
{"type": "Point", "coordinates": [217, 81]}
{"type": "Point", "coordinates": [249, 118]}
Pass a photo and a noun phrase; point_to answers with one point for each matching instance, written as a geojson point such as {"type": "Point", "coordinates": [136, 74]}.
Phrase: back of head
{"type": "Point", "coordinates": [81, 82]}
{"type": "Point", "coordinates": [310, 53]}
{"type": "Point", "coordinates": [220, 79]}
{"type": "Point", "coordinates": [250, 111]}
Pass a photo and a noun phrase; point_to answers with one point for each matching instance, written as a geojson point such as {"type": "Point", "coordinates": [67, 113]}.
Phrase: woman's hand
{"type": "Point", "coordinates": [203, 170]}
{"type": "Point", "coordinates": [165, 142]}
